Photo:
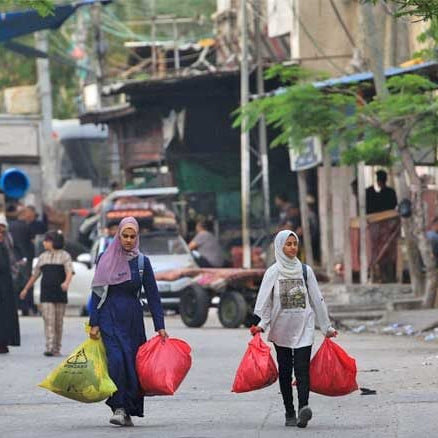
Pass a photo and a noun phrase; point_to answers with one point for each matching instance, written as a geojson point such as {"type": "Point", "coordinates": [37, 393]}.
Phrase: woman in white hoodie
{"type": "Point", "coordinates": [287, 303]}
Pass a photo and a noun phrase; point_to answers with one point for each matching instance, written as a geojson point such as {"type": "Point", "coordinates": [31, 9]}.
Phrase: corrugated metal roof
{"type": "Point", "coordinates": [159, 84]}
{"type": "Point", "coordinates": [362, 77]}
{"type": "Point", "coordinates": [368, 76]}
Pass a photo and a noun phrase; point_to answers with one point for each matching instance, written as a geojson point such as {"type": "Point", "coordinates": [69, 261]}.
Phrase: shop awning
{"type": "Point", "coordinates": [16, 24]}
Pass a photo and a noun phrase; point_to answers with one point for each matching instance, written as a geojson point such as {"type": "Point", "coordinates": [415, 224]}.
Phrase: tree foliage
{"type": "Point", "coordinates": [424, 9]}
{"type": "Point", "coordinates": [429, 36]}
{"type": "Point", "coordinates": [343, 117]}
{"type": "Point", "coordinates": [118, 27]}
{"type": "Point", "coordinates": [44, 7]}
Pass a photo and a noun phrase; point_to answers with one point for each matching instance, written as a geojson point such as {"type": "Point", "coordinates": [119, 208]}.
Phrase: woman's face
{"type": "Point", "coordinates": [127, 238]}
{"type": "Point", "coordinates": [48, 245]}
{"type": "Point", "coordinates": [290, 248]}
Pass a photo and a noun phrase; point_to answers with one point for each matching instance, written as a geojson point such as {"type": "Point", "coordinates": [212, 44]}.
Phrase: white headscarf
{"type": "Point", "coordinates": [288, 267]}
{"type": "Point", "coordinates": [3, 220]}
{"type": "Point", "coordinates": [284, 265]}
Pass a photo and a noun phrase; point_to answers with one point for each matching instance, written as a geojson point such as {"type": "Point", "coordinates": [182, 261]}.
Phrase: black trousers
{"type": "Point", "coordinates": [295, 361]}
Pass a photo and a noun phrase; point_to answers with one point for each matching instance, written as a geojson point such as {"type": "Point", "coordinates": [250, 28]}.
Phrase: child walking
{"type": "Point", "coordinates": [287, 305]}
{"type": "Point", "coordinates": [56, 268]}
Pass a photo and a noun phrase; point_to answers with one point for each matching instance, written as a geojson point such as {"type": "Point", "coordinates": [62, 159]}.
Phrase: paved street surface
{"type": "Point", "coordinates": [406, 404]}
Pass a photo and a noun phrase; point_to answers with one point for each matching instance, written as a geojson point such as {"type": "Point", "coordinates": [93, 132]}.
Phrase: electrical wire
{"type": "Point", "coordinates": [256, 10]}
{"type": "Point", "coordinates": [342, 23]}
{"type": "Point", "coordinates": [393, 14]}
{"type": "Point", "coordinates": [313, 41]}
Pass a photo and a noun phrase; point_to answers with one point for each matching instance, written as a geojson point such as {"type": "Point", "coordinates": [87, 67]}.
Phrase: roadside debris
{"type": "Point", "coordinates": [367, 391]}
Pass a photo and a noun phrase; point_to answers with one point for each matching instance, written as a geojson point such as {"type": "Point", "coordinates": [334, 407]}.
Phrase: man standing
{"type": "Point", "coordinates": [384, 199]}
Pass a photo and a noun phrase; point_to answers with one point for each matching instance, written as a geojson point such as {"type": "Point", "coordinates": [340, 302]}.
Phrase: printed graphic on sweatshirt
{"type": "Point", "coordinates": [292, 294]}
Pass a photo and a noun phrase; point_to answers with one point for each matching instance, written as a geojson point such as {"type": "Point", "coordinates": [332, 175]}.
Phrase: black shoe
{"type": "Point", "coordinates": [48, 353]}
{"type": "Point", "coordinates": [304, 416]}
{"type": "Point", "coordinates": [291, 420]}
{"type": "Point", "coordinates": [4, 349]}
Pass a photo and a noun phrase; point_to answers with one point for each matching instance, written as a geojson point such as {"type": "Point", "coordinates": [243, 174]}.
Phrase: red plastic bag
{"type": "Point", "coordinates": [162, 365]}
{"type": "Point", "coordinates": [257, 369]}
{"type": "Point", "coordinates": [332, 370]}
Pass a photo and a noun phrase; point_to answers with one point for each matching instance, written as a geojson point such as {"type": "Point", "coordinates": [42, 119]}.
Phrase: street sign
{"type": "Point", "coordinates": [309, 156]}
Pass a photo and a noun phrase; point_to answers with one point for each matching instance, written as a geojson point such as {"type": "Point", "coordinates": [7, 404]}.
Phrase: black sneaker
{"type": "Point", "coordinates": [304, 416]}
{"type": "Point", "coordinates": [48, 353]}
{"type": "Point", "coordinates": [291, 420]}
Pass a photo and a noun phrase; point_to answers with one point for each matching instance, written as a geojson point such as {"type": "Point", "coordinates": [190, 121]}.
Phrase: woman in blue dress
{"type": "Point", "coordinates": [116, 314]}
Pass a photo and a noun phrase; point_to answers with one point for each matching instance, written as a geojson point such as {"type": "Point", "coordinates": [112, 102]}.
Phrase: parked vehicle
{"type": "Point", "coordinates": [166, 251]}
{"type": "Point", "coordinates": [232, 291]}
{"type": "Point", "coordinates": [159, 240]}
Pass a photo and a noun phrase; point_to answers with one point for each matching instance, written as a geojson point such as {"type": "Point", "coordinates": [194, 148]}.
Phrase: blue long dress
{"type": "Point", "coordinates": [122, 328]}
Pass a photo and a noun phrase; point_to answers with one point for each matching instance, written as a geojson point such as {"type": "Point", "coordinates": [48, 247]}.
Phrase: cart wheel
{"type": "Point", "coordinates": [232, 309]}
{"type": "Point", "coordinates": [194, 306]}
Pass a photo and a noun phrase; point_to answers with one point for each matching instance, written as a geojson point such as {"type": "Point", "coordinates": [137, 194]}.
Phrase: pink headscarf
{"type": "Point", "coordinates": [113, 266]}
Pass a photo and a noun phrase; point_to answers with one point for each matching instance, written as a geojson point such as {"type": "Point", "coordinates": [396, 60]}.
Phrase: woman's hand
{"type": "Point", "coordinates": [163, 334]}
{"type": "Point", "coordinates": [254, 329]}
{"type": "Point", "coordinates": [95, 332]}
{"type": "Point", "coordinates": [23, 294]}
{"type": "Point", "coordinates": [64, 286]}
{"type": "Point", "coordinates": [331, 333]}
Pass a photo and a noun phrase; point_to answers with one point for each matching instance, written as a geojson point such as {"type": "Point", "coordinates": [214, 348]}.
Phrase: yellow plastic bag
{"type": "Point", "coordinates": [83, 376]}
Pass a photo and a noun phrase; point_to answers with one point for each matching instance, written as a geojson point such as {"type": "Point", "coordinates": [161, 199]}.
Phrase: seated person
{"type": "Point", "coordinates": [208, 247]}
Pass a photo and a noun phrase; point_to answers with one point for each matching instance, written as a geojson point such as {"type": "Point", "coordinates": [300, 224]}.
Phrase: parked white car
{"type": "Point", "coordinates": [166, 250]}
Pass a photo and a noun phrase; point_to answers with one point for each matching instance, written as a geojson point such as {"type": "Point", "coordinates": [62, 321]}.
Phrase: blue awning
{"type": "Point", "coordinates": [368, 76]}
{"type": "Point", "coordinates": [15, 24]}
{"type": "Point", "coordinates": [361, 77]}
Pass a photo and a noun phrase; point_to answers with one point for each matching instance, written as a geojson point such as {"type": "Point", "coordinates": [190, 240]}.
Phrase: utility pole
{"type": "Point", "coordinates": [375, 48]}
{"type": "Point", "coordinates": [301, 174]}
{"type": "Point", "coordinates": [99, 50]}
{"type": "Point", "coordinates": [49, 158]}
{"type": "Point", "coordinates": [175, 45]}
{"type": "Point", "coordinates": [154, 38]}
{"type": "Point", "coordinates": [363, 257]}
{"type": "Point", "coordinates": [304, 211]}
{"type": "Point", "coordinates": [263, 142]}
{"type": "Point", "coordinates": [80, 39]}
{"type": "Point", "coordinates": [244, 138]}
{"type": "Point", "coordinates": [327, 208]}
{"type": "Point", "coordinates": [346, 209]}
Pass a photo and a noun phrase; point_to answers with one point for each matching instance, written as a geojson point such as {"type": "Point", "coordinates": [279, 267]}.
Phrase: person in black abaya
{"type": "Point", "coordinates": [9, 326]}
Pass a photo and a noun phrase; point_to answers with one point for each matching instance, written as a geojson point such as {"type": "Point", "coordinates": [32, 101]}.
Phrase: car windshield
{"type": "Point", "coordinates": [163, 245]}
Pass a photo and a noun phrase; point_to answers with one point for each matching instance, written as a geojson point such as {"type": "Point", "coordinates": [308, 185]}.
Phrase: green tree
{"type": "Point", "coordinates": [118, 28]}
{"type": "Point", "coordinates": [425, 9]}
{"type": "Point", "coordinates": [387, 129]}
{"type": "Point", "coordinates": [44, 7]}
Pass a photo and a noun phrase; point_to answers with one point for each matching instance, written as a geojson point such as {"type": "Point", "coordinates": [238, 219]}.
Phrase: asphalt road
{"type": "Point", "coordinates": [406, 404]}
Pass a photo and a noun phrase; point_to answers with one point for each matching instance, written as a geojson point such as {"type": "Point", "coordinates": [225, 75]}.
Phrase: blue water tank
{"type": "Point", "coordinates": [14, 183]}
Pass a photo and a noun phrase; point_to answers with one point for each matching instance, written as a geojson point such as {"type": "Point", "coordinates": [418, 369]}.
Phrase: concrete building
{"type": "Point", "coordinates": [323, 35]}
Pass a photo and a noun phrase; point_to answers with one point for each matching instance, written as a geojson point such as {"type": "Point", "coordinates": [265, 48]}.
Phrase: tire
{"type": "Point", "coordinates": [232, 309]}
{"type": "Point", "coordinates": [194, 306]}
